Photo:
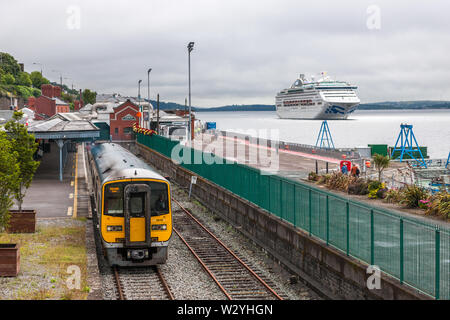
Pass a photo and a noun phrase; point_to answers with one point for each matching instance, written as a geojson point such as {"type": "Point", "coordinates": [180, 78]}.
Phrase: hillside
{"type": "Point", "coordinates": [388, 105]}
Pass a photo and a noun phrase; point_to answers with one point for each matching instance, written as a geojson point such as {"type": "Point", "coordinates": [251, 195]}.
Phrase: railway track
{"type": "Point", "coordinates": [141, 284]}
{"type": "Point", "coordinates": [235, 277]}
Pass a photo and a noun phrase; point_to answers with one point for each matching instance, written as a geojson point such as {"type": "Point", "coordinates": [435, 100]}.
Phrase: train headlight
{"type": "Point", "coordinates": [113, 228]}
{"type": "Point", "coordinates": [159, 226]}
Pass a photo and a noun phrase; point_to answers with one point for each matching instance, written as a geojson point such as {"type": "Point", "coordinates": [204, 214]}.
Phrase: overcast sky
{"type": "Point", "coordinates": [245, 51]}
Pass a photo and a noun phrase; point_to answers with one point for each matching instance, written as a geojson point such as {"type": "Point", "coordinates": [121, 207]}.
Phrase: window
{"type": "Point", "coordinates": [114, 200]}
{"type": "Point", "coordinates": [159, 202]}
{"type": "Point", "coordinates": [116, 130]}
{"type": "Point", "coordinates": [137, 205]}
{"type": "Point", "coordinates": [128, 130]}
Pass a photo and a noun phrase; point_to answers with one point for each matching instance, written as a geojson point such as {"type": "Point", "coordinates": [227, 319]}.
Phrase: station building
{"type": "Point", "coordinates": [121, 121]}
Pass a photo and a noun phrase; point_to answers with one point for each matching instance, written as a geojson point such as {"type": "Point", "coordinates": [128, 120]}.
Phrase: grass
{"type": "Point", "coordinates": [45, 257]}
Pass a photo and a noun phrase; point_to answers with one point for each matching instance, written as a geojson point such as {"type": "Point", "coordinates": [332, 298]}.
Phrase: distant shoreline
{"type": "Point", "coordinates": [361, 107]}
{"type": "Point", "coordinates": [387, 105]}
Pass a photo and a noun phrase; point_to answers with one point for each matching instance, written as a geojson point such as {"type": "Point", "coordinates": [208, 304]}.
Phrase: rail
{"type": "Point", "coordinates": [415, 252]}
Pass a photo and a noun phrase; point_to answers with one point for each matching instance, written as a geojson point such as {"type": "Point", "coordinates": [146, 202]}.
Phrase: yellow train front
{"type": "Point", "coordinates": [133, 207]}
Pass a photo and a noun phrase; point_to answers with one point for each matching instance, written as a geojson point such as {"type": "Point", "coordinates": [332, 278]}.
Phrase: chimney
{"type": "Point", "coordinates": [47, 90]}
{"type": "Point", "coordinates": [57, 91]}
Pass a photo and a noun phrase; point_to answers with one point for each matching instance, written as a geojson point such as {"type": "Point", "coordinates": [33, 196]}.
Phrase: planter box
{"type": "Point", "coordinates": [22, 221]}
{"type": "Point", "coordinates": [9, 260]}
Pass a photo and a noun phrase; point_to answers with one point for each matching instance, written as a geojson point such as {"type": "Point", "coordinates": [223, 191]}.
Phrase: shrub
{"type": "Point", "coordinates": [412, 194]}
{"type": "Point", "coordinates": [358, 186]}
{"type": "Point", "coordinates": [439, 204]}
{"type": "Point", "coordinates": [324, 179]}
{"type": "Point", "coordinates": [313, 176]}
{"type": "Point", "coordinates": [393, 196]}
{"type": "Point", "coordinates": [376, 190]}
{"type": "Point", "coordinates": [339, 181]}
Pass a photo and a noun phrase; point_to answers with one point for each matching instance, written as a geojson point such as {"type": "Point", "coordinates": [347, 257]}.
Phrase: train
{"type": "Point", "coordinates": [132, 206]}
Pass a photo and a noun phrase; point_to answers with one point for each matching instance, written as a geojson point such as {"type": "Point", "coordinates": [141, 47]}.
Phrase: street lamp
{"type": "Point", "coordinates": [148, 75]}
{"type": "Point", "coordinates": [139, 102]}
{"type": "Point", "coordinates": [190, 47]}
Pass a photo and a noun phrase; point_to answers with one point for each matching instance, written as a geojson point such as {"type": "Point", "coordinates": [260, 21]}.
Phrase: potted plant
{"type": "Point", "coordinates": [25, 145]}
{"type": "Point", "coordinates": [9, 174]}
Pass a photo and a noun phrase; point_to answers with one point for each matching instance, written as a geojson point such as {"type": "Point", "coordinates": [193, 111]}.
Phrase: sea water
{"type": "Point", "coordinates": [431, 127]}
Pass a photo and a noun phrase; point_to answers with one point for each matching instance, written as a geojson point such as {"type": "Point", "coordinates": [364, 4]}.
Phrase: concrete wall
{"type": "Point", "coordinates": [5, 102]}
{"type": "Point", "coordinates": [326, 269]}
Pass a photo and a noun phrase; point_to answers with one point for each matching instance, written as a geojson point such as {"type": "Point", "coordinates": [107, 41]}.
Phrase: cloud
{"type": "Point", "coordinates": [245, 51]}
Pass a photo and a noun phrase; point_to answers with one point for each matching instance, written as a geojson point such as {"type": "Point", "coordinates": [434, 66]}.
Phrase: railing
{"type": "Point", "coordinates": [414, 252]}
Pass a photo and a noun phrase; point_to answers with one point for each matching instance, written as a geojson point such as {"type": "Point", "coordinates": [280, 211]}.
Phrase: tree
{"type": "Point", "coordinates": [37, 79]}
{"type": "Point", "coordinates": [9, 173]}
{"type": "Point", "coordinates": [89, 96]}
{"type": "Point", "coordinates": [9, 64]}
{"type": "Point", "coordinates": [24, 79]}
{"type": "Point", "coordinates": [25, 146]}
{"type": "Point", "coordinates": [8, 79]}
{"type": "Point", "coordinates": [381, 163]}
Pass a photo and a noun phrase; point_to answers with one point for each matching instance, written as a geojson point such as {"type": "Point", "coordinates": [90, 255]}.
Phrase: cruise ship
{"type": "Point", "coordinates": [324, 99]}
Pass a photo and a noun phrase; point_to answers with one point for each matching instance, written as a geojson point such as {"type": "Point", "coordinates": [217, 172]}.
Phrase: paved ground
{"type": "Point", "coordinates": [47, 195]}
{"type": "Point", "coordinates": [291, 164]}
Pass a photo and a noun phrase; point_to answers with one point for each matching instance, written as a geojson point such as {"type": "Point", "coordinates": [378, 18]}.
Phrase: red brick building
{"type": "Point", "coordinates": [122, 120]}
{"type": "Point", "coordinates": [49, 103]}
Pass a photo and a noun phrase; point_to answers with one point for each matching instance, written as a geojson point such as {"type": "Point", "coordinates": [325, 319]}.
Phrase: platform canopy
{"type": "Point", "coordinates": [64, 128]}
{"type": "Point", "coordinates": [68, 126]}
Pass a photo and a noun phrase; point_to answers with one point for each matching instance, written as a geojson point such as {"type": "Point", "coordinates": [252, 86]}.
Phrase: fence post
{"type": "Point", "coordinates": [402, 260]}
{"type": "Point", "coordinates": [281, 199]}
{"type": "Point", "coordinates": [328, 221]}
{"type": "Point", "coordinates": [348, 226]}
{"type": "Point", "coordinates": [372, 239]}
{"type": "Point", "coordinates": [438, 263]}
{"type": "Point", "coordinates": [310, 211]}
{"type": "Point", "coordinates": [295, 205]}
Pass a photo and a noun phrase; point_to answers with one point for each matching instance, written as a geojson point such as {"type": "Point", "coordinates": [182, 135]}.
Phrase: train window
{"type": "Point", "coordinates": [159, 201]}
{"type": "Point", "coordinates": [137, 204]}
{"type": "Point", "coordinates": [113, 200]}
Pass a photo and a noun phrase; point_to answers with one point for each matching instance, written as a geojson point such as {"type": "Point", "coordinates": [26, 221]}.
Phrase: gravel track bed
{"type": "Point", "coordinates": [186, 277]}
{"type": "Point", "coordinates": [253, 255]}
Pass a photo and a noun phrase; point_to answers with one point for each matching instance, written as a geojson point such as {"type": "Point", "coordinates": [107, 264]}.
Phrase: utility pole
{"type": "Point", "coordinates": [148, 74]}
{"type": "Point", "coordinates": [190, 48]}
{"type": "Point", "coordinates": [157, 114]}
{"type": "Point", "coordinates": [139, 103]}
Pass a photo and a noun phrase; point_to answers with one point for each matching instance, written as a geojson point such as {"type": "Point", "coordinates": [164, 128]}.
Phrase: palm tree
{"type": "Point", "coordinates": [381, 163]}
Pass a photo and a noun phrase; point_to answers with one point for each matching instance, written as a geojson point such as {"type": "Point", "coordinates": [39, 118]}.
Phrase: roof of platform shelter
{"type": "Point", "coordinates": [64, 126]}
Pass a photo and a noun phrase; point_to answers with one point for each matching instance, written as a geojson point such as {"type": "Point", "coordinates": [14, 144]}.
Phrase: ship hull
{"type": "Point", "coordinates": [326, 111]}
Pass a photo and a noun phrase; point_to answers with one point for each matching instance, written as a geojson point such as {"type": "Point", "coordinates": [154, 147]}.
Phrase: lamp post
{"type": "Point", "coordinates": [190, 48]}
{"type": "Point", "coordinates": [148, 79]}
{"type": "Point", "coordinates": [139, 102]}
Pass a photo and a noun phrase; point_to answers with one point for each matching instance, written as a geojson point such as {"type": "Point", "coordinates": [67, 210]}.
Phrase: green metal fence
{"type": "Point", "coordinates": [416, 253]}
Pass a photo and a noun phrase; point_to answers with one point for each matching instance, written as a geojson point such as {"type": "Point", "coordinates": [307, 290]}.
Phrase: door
{"type": "Point", "coordinates": [137, 215]}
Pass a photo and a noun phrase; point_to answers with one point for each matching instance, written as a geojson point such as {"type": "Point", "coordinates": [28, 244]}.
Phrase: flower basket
{"type": "Point", "coordinates": [9, 260]}
{"type": "Point", "coordinates": [22, 221]}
